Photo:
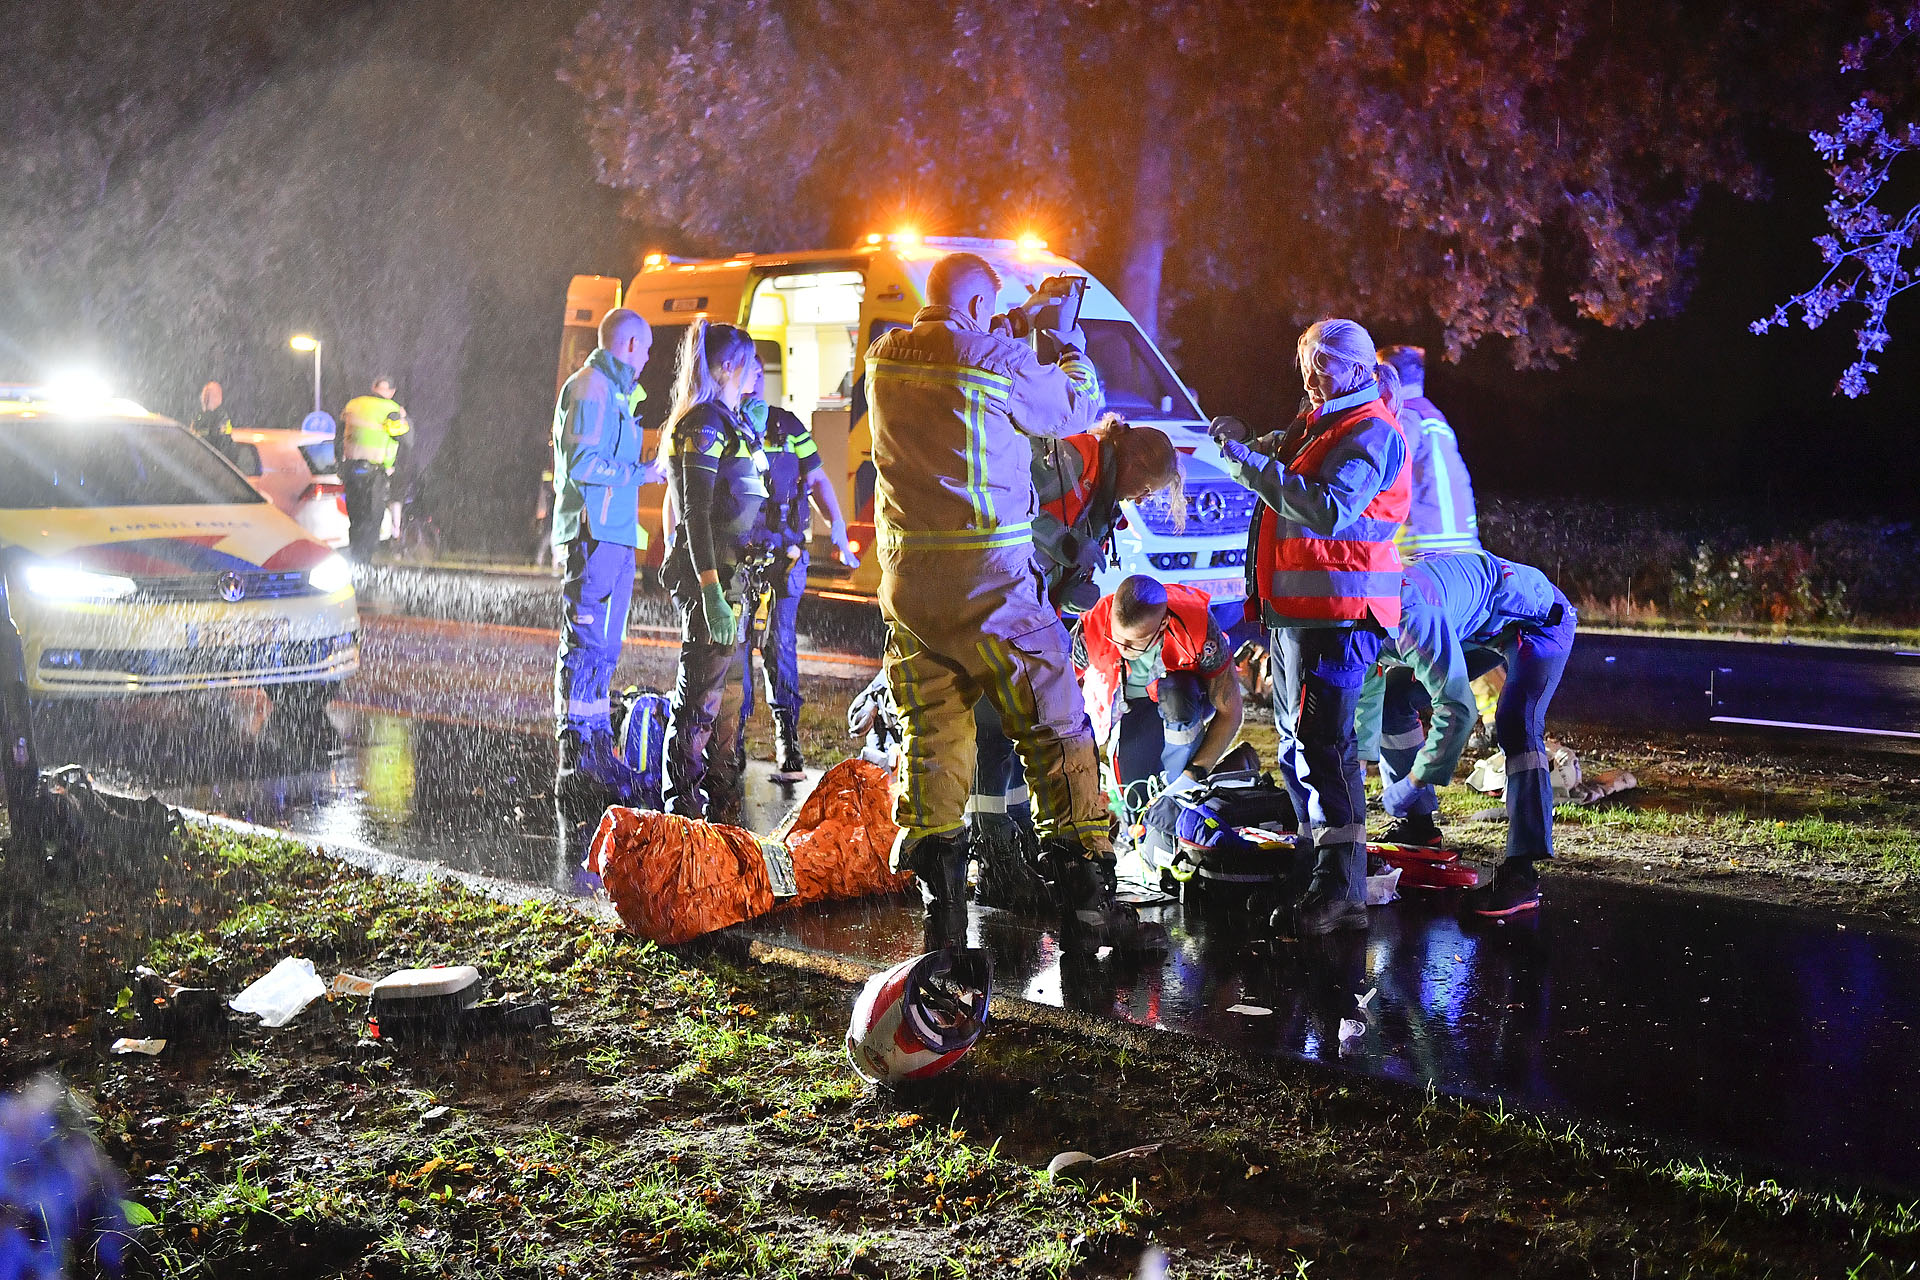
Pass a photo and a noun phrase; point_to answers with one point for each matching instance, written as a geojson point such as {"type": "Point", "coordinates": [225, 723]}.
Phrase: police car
{"type": "Point", "coordinates": [138, 560]}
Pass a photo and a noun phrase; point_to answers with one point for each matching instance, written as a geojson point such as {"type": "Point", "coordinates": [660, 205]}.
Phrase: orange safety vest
{"type": "Point", "coordinates": [1181, 644]}
{"type": "Point", "coordinates": [1308, 580]}
{"type": "Point", "coordinates": [1069, 506]}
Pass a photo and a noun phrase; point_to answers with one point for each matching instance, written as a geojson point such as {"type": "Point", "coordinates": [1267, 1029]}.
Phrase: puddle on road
{"type": "Point", "coordinates": [1767, 1033]}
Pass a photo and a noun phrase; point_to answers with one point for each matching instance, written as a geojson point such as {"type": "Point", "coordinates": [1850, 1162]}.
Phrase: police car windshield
{"type": "Point", "coordinates": [1135, 380]}
{"type": "Point", "coordinates": [68, 462]}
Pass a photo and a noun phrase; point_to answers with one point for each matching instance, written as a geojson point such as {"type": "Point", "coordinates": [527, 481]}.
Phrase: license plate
{"type": "Point", "coordinates": [1220, 588]}
{"type": "Point", "coordinates": [238, 635]}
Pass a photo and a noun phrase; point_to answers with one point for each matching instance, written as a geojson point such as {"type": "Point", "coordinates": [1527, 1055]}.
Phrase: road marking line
{"type": "Point", "coordinates": [636, 634]}
{"type": "Point", "coordinates": [1824, 728]}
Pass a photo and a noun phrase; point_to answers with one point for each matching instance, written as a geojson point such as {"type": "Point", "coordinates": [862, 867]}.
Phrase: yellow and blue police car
{"type": "Point", "coordinates": [138, 560]}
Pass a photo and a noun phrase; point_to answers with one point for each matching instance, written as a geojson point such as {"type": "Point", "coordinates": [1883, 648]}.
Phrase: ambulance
{"type": "Point", "coordinates": [813, 315]}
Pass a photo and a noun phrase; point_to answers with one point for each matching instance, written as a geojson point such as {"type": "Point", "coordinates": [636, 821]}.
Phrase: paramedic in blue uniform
{"type": "Point", "coordinates": [598, 469]}
{"type": "Point", "coordinates": [1459, 611]}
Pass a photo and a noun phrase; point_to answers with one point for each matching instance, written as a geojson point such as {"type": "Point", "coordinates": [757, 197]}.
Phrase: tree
{"type": "Point", "coordinates": [1504, 167]}
{"type": "Point", "coordinates": [1869, 250]}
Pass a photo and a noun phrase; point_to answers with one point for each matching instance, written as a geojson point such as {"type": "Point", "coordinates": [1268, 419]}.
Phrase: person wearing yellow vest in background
{"type": "Point", "coordinates": [366, 447]}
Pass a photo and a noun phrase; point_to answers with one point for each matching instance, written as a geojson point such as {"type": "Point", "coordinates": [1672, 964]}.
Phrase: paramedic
{"type": "Point", "coordinates": [597, 472]}
{"type": "Point", "coordinates": [1324, 575]}
{"type": "Point", "coordinates": [1460, 611]}
{"type": "Point", "coordinates": [1440, 510]}
{"type": "Point", "coordinates": [1080, 481]}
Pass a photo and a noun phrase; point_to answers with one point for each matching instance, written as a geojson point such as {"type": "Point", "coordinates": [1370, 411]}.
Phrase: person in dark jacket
{"type": "Point", "coordinates": [796, 485]}
{"type": "Point", "coordinates": [717, 480]}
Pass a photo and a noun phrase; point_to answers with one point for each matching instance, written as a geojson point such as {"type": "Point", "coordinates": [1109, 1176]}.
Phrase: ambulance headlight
{"type": "Point", "coordinates": [58, 582]}
{"type": "Point", "coordinates": [330, 575]}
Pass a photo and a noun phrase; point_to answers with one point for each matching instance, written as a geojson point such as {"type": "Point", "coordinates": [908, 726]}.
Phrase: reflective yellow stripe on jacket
{"type": "Point", "coordinates": [977, 388]}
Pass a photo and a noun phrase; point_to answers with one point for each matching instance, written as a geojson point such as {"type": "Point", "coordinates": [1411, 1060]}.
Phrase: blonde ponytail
{"type": "Point", "coordinates": [1389, 379]}
{"type": "Point", "coordinates": [705, 347]}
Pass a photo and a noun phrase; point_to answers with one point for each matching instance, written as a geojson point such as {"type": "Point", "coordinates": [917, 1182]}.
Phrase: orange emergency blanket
{"type": "Point", "coordinates": [673, 879]}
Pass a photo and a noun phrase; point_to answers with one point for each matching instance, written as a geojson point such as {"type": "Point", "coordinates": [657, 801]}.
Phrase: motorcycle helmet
{"type": "Point", "coordinates": [916, 1019]}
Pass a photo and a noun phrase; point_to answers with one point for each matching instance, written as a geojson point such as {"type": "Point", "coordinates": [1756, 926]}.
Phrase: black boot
{"type": "Point", "coordinates": [941, 864]}
{"type": "Point", "coordinates": [788, 764]}
{"type": "Point", "coordinates": [1007, 852]}
{"type": "Point", "coordinates": [1083, 890]}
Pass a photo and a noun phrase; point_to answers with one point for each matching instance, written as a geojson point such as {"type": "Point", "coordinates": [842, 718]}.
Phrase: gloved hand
{"type": "Point", "coordinates": [838, 533]}
{"type": "Point", "coordinates": [1181, 785]}
{"type": "Point", "coordinates": [1238, 455]}
{"type": "Point", "coordinates": [1404, 796]}
{"type": "Point", "coordinates": [754, 410]}
{"type": "Point", "coordinates": [1074, 338]}
{"type": "Point", "coordinates": [1226, 427]}
{"type": "Point", "coordinates": [723, 625]}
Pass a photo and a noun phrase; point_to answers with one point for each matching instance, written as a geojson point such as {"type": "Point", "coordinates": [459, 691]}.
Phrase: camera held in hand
{"type": "Point", "coordinates": [1050, 317]}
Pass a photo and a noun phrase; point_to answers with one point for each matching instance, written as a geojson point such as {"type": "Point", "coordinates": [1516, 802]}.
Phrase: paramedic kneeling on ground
{"type": "Point", "coordinates": [1324, 574]}
{"type": "Point", "coordinates": [952, 405]}
{"type": "Point", "coordinates": [1160, 684]}
{"type": "Point", "coordinates": [1460, 611]}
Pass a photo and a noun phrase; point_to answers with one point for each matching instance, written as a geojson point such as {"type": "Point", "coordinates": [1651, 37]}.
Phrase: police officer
{"type": "Point", "coordinates": [366, 446]}
{"type": "Point", "coordinates": [794, 478]}
{"type": "Point", "coordinates": [598, 468]}
{"type": "Point", "coordinates": [717, 480]}
{"type": "Point", "coordinates": [1324, 575]}
{"type": "Point", "coordinates": [213, 424]}
{"type": "Point", "coordinates": [949, 403]}
{"type": "Point", "coordinates": [1460, 611]}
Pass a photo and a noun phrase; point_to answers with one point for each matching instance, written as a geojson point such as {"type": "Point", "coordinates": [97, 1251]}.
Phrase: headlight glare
{"type": "Point", "coordinates": [59, 582]}
{"type": "Point", "coordinates": [330, 575]}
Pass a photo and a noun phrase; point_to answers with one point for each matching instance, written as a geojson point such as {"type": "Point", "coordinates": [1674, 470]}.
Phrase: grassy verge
{"type": "Point", "coordinates": [692, 1113]}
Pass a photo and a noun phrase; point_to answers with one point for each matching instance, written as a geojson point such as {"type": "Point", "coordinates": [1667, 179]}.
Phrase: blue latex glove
{"type": "Point", "coordinates": [723, 625]}
{"type": "Point", "coordinates": [754, 410]}
{"type": "Point", "coordinates": [1404, 796]}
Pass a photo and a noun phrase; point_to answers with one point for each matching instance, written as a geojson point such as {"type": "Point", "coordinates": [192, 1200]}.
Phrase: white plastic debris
{"type": "Point", "coordinates": [1250, 1010]}
{"type": "Point", "coordinates": [149, 1047]}
{"type": "Point", "coordinates": [279, 997]}
{"type": "Point", "coordinates": [1383, 888]}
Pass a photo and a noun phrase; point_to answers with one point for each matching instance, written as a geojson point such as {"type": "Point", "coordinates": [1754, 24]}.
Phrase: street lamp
{"type": "Point", "coordinates": [307, 342]}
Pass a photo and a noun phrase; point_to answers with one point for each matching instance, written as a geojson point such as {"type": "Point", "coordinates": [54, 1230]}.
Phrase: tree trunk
{"type": "Point", "coordinates": [1152, 212]}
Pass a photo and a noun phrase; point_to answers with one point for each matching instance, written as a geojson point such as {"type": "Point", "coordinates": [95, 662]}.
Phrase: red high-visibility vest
{"type": "Point", "coordinates": [1181, 645]}
{"type": "Point", "coordinates": [1069, 506]}
{"type": "Point", "coordinates": [1307, 580]}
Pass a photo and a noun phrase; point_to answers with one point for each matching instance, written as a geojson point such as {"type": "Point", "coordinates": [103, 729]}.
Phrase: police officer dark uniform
{"type": "Point", "coordinates": [717, 476]}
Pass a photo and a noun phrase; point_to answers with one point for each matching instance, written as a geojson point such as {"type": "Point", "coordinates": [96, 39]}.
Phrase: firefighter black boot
{"type": "Point", "coordinates": [941, 864]}
{"type": "Point", "coordinates": [1007, 852]}
{"type": "Point", "coordinates": [788, 764]}
{"type": "Point", "coordinates": [1090, 915]}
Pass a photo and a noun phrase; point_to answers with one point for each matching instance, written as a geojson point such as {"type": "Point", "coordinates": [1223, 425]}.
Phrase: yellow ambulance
{"type": "Point", "coordinates": [814, 313]}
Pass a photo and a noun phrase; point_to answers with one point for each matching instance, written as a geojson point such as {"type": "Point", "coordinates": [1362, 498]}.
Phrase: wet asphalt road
{"type": "Point", "coordinates": [1780, 1037]}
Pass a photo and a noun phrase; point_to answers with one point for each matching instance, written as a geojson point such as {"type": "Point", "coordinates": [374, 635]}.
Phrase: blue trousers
{"type": "Point", "coordinates": [596, 593]}
{"type": "Point", "coordinates": [1535, 658]}
{"type": "Point", "coordinates": [999, 781]}
{"type": "Point", "coordinates": [1157, 739]}
{"type": "Point", "coordinates": [779, 642]}
{"type": "Point", "coordinates": [1318, 672]}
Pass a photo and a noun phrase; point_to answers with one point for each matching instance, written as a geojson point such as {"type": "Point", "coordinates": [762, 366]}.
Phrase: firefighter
{"type": "Point", "coordinates": [598, 467]}
{"type": "Point", "coordinates": [795, 480]}
{"type": "Point", "coordinates": [366, 447]}
{"type": "Point", "coordinates": [1081, 480]}
{"type": "Point", "coordinates": [966, 617]}
{"type": "Point", "coordinates": [1160, 686]}
{"type": "Point", "coordinates": [1324, 575]}
{"type": "Point", "coordinates": [1461, 611]}
{"type": "Point", "coordinates": [717, 479]}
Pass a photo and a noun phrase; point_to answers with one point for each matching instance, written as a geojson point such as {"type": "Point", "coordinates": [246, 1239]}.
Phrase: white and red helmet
{"type": "Point", "coordinates": [916, 1019]}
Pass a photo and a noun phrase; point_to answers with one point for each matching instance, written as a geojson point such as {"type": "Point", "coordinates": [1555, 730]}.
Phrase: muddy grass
{"type": "Point", "coordinates": [692, 1113]}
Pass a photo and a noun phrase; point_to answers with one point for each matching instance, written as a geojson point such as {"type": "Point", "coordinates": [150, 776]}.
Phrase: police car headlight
{"type": "Point", "coordinates": [57, 582]}
{"type": "Point", "coordinates": [330, 575]}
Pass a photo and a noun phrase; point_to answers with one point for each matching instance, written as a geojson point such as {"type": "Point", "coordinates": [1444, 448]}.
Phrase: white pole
{"type": "Point", "coordinates": [316, 377]}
